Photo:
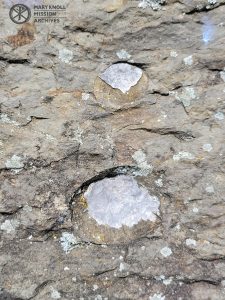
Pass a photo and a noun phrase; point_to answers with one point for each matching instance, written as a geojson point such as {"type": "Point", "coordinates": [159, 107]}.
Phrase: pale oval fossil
{"type": "Point", "coordinates": [116, 210]}
{"type": "Point", "coordinates": [120, 201]}
{"type": "Point", "coordinates": [122, 76]}
{"type": "Point", "coordinates": [119, 85]}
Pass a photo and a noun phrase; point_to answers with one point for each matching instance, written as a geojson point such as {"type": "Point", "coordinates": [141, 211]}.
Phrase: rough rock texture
{"type": "Point", "coordinates": [56, 139]}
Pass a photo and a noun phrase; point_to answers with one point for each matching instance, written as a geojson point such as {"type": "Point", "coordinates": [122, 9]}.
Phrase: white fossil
{"type": "Point", "coordinates": [122, 76]}
{"type": "Point", "coordinates": [120, 201]}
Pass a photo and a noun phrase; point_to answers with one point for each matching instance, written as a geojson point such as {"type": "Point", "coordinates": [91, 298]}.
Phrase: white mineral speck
{"type": "Point", "coordinates": [122, 267]}
{"type": "Point", "coordinates": [195, 210]}
{"type": "Point", "coordinates": [78, 135]}
{"type": "Point", "coordinates": [122, 76]}
{"type": "Point", "coordinates": [123, 54]}
{"type": "Point", "coordinates": [188, 60]}
{"type": "Point", "coordinates": [222, 75]}
{"type": "Point", "coordinates": [159, 182]}
{"type": "Point", "coordinates": [27, 208]}
{"type": "Point", "coordinates": [157, 297]}
{"type": "Point", "coordinates": [85, 96]}
{"type": "Point", "coordinates": [120, 201]}
{"type": "Point", "coordinates": [173, 53]}
{"type": "Point", "coordinates": [141, 160]}
{"type": "Point", "coordinates": [161, 277]}
{"type": "Point", "coordinates": [191, 243]}
{"type": "Point", "coordinates": [65, 55]}
{"type": "Point", "coordinates": [15, 162]}
{"type": "Point", "coordinates": [4, 118]}
{"type": "Point", "coordinates": [207, 147]}
{"type": "Point", "coordinates": [55, 294]}
{"type": "Point", "coordinates": [167, 281]}
{"type": "Point", "coordinates": [178, 227]}
{"type": "Point", "coordinates": [219, 116]}
{"type": "Point", "coordinates": [183, 155]}
{"type": "Point", "coordinates": [9, 226]}
{"type": "Point", "coordinates": [68, 241]}
{"type": "Point", "coordinates": [223, 282]}
{"type": "Point", "coordinates": [210, 189]}
{"type": "Point", "coordinates": [154, 4]}
{"type": "Point", "coordinates": [166, 251]}
{"type": "Point", "coordinates": [212, 2]}
{"type": "Point", "coordinates": [95, 287]}
{"type": "Point", "coordinates": [187, 95]}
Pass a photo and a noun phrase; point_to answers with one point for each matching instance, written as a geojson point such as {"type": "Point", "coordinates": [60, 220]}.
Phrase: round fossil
{"type": "Point", "coordinates": [120, 84]}
{"type": "Point", "coordinates": [122, 76]}
{"type": "Point", "coordinates": [120, 201]}
{"type": "Point", "coordinates": [116, 210]}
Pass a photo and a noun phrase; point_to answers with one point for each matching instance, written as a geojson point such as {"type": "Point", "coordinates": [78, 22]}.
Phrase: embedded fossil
{"type": "Point", "coordinates": [120, 201]}
{"type": "Point", "coordinates": [122, 76]}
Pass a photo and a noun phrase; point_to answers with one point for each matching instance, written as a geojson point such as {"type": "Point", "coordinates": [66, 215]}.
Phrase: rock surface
{"type": "Point", "coordinates": [62, 129]}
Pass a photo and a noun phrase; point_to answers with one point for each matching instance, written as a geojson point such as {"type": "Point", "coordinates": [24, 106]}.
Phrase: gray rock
{"type": "Point", "coordinates": [62, 127]}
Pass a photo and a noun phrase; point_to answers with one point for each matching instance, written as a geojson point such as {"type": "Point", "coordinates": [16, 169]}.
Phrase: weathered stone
{"type": "Point", "coordinates": [64, 131]}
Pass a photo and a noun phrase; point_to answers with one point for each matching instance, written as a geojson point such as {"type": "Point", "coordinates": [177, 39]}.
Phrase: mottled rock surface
{"type": "Point", "coordinates": [62, 128]}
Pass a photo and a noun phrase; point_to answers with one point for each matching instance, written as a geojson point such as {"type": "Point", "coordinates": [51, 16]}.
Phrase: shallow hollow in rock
{"type": "Point", "coordinates": [120, 84]}
{"type": "Point", "coordinates": [116, 210]}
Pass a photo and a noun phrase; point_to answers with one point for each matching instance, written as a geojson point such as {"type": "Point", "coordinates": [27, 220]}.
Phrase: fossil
{"type": "Point", "coordinates": [122, 76]}
{"type": "Point", "coordinates": [120, 201]}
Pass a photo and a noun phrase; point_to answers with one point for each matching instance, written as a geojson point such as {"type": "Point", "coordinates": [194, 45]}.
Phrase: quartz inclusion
{"type": "Point", "coordinates": [120, 201]}
{"type": "Point", "coordinates": [122, 76]}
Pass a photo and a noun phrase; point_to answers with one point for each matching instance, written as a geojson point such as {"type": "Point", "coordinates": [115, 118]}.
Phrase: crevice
{"type": "Point", "coordinates": [105, 271]}
{"type": "Point", "coordinates": [142, 66]}
{"type": "Point", "coordinates": [160, 93]}
{"type": "Point", "coordinates": [205, 8]}
{"type": "Point", "coordinates": [194, 200]}
{"type": "Point", "coordinates": [122, 109]}
{"type": "Point", "coordinates": [185, 280]}
{"type": "Point", "coordinates": [14, 61]}
{"type": "Point", "coordinates": [33, 118]}
{"type": "Point", "coordinates": [102, 116]}
{"type": "Point", "coordinates": [39, 163]}
{"type": "Point", "coordinates": [40, 287]}
{"type": "Point", "coordinates": [214, 69]}
{"type": "Point", "coordinates": [201, 280]}
{"type": "Point", "coordinates": [212, 259]}
{"type": "Point", "coordinates": [81, 29]}
{"type": "Point", "coordinates": [35, 163]}
{"type": "Point", "coordinates": [12, 212]}
{"type": "Point", "coordinates": [181, 135]}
